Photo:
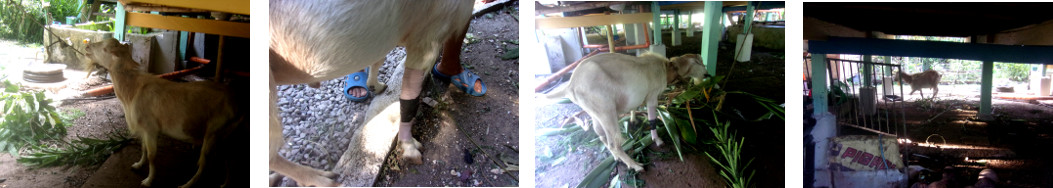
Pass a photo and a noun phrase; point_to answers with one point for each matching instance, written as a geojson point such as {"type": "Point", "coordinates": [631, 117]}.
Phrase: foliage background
{"type": "Point", "coordinates": [16, 18]}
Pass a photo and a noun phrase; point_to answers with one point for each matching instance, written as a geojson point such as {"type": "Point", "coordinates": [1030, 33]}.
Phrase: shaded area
{"type": "Point", "coordinates": [564, 160]}
{"type": "Point", "coordinates": [1014, 144]}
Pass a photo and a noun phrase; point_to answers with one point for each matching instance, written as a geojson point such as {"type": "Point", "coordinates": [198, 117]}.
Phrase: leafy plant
{"type": "Point", "coordinates": [19, 19]}
{"type": "Point", "coordinates": [82, 151]}
{"type": "Point", "coordinates": [28, 119]}
{"type": "Point", "coordinates": [683, 128]}
{"type": "Point", "coordinates": [730, 159]}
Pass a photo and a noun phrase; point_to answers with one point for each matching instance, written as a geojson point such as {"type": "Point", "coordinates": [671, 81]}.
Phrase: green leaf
{"type": "Point", "coordinates": [689, 135]}
{"type": "Point", "coordinates": [599, 175]}
{"type": "Point", "coordinates": [671, 129]}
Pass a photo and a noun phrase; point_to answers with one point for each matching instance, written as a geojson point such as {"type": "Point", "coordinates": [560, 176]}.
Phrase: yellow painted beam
{"type": "Point", "coordinates": [584, 21]}
{"type": "Point", "coordinates": [226, 28]}
{"type": "Point", "coordinates": [230, 6]}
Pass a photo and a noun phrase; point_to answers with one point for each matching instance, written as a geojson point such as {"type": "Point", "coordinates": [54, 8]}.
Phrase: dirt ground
{"type": "Point", "coordinates": [319, 122]}
{"type": "Point", "coordinates": [1021, 134]}
{"type": "Point", "coordinates": [1013, 143]}
{"type": "Point", "coordinates": [563, 166]}
{"type": "Point", "coordinates": [490, 121]}
{"type": "Point", "coordinates": [176, 163]}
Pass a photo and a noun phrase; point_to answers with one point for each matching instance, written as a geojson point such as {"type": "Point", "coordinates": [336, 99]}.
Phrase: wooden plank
{"type": "Point", "coordinates": [230, 6]}
{"type": "Point", "coordinates": [226, 28]}
{"type": "Point", "coordinates": [577, 7]}
{"type": "Point", "coordinates": [584, 21]}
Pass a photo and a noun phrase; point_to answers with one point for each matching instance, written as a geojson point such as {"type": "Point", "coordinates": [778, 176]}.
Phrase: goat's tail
{"type": "Point", "coordinates": [557, 93]}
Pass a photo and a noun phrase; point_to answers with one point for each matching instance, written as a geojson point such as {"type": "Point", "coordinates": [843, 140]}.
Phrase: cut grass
{"type": "Point", "coordinates": [81, 152]}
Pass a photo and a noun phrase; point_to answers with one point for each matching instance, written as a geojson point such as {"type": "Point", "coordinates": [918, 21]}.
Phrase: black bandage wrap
{"type": "Point", "coordinates": [652, 124]}
{"type": "Point", "coordinates": [408, 109]}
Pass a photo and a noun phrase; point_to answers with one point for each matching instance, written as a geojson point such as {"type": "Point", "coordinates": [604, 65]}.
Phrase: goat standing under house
{"type": "Point", "coordinates": [201, 113]}
{"type": "Point", "coordinates": [926, 79]}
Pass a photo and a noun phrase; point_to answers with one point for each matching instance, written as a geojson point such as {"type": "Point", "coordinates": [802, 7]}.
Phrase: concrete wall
{"type": "Point", "coordinates": [772, 37]}
{"type": "Point", "coordinates": [155, 52]}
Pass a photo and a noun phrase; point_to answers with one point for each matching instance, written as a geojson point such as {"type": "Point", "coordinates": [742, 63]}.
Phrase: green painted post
{"type": "Point", "coordinates": [819, 83]}
{"type": "Point", "coordinates": [656, 10]}
{"type": "Point", "coordinates": [1043, 70]}
{"type": "Point", "coordinates": [868, 70]}
{"type": "Point", "coordinates": [711, 35]}
{"type": "Point", "coordinates": [690, 25]}
{"type": "Point", "coordinates": [888, 69]}
{"type": "Point", "coordinates": [118, 25]}
{"type": "Point", "coordinates": [750, 11]}
{"type": "Point", "coordinates": [80, 8]}
{"type": "Point", "coordinates": [985, 88]}
{"type": "Point", "coordinates": [676, 27]}
{"type": "Point", "coordinates": [183, 37]}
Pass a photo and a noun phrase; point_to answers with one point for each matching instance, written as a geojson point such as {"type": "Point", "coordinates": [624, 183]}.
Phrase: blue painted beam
{"type": "Point", "coordinates": [765, 5]}
{"type": "Point", "coordinates": [908, 48]}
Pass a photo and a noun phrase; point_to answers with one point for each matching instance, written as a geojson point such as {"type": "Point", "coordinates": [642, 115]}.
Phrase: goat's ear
{"type": "Point", "coordinates": [681, 64]}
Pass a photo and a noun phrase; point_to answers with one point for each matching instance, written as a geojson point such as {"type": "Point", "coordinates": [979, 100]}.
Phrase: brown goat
{"type": "Point", "coordinates": [927, 79]}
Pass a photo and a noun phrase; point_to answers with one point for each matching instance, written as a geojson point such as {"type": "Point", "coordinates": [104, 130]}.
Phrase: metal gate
{"type": "Point", "coordinates": [874, 105]}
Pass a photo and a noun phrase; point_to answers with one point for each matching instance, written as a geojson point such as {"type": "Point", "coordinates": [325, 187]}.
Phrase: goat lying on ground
{"type": "Point", "coordinates": [927, 79]}
{"type": "Point", "coordinates": [312, 41]}
{"type": "Point", "coordinates": [201, 113]}
{"type": "Point", "coordinates": [607, 85]}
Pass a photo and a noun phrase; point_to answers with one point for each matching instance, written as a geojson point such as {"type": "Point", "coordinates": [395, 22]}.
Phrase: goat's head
{"type": "Point", "coordinates": [108, 53]}
{"type": "Point", "coordinates": [687, 66]}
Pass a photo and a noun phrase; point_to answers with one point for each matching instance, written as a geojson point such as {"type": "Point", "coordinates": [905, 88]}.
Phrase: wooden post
{"type": "Point", "coordinates": [610, 37]}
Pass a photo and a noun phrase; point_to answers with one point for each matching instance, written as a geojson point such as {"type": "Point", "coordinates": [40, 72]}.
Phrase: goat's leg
{"type": "Point", "coordinates": [142, 159]}
{"type": "Point", "coordinates": [652, 118]}
{"type": "Point", "coordinates": [935, 90]}
{"type": "Point", "coordinates": [372, 82]}
{"type": "Point", "coordinates": [206, 147]}
{"type": "Point", "coordinates": [418, 59]}
{"type": "Point", "coordinates": [615, 139]}
{"type": "Point", "coordinates": [150, 142]}
{"type": "Point", "coordinates": [303, 175]}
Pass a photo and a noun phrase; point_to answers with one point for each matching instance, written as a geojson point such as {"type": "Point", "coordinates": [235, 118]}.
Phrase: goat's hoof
{"type": "Point", "coordinates": [411, 154]}
{"type": "Point", "coordinates": [637, 168]}
{"type": "Point", "coordinates": [657, 140]}
{"type": "Point", "coordinates": [146, 182]}
{"type": "Point", "coordinates": [137, 166]}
